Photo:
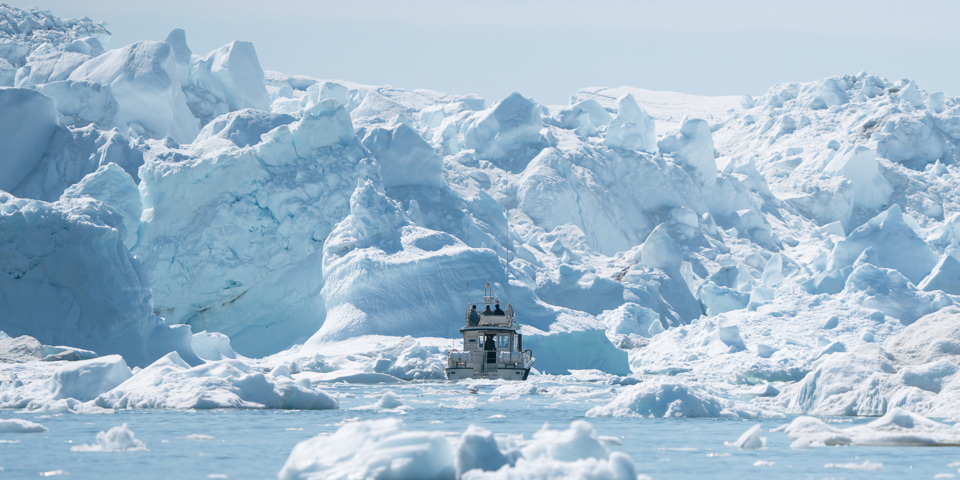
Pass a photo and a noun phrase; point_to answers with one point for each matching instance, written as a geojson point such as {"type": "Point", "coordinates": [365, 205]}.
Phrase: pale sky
{"type": "Point", "coordinates": [548, 50]}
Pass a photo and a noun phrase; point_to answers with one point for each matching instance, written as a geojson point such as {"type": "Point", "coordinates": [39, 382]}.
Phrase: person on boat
{"type": "Point", "coordinates": [497, 310]}
{"type": "Point", "coordinates": [487, 311]}
{"type": "Point", "coordinates": [474, 317]}
{"type": "Point", "coordinates": [490, 347]}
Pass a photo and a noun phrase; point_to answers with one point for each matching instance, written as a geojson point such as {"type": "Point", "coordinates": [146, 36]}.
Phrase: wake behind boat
{"type": "Point", "coordinates": [492, 344]}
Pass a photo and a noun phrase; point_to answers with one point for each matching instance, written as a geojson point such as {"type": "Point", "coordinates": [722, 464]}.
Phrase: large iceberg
{"type": "Point", "coordinates": [245, 235]}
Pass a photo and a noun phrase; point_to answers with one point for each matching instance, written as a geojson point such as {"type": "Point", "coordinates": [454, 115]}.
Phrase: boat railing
{"type": "Point", "coordinates": [494, 319]}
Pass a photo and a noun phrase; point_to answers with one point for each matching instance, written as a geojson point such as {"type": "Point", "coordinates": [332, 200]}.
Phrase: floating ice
{"type": "Point", "coordinates": [117, 439]}
{"type": "Point", "coordinates": [898, 427]}
{"type": "Point", "coordinates": [17, 425]}
{"type": "Point", "coordinates": [171, 383]}
{"type": "Point", "coordinates": [751, 439]}
{"type": "Point", "coordinates": [385, 449]}
{"type": "Point", "coordinates": [379, 448]}
{"type": "Point", "coordinates": [662, 400]}
{"type": "Point", "coordinates": [866, 465]}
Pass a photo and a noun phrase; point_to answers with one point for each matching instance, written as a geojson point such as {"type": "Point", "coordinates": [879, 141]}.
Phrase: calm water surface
{"type": "Point", "coordinates": [254, 444]}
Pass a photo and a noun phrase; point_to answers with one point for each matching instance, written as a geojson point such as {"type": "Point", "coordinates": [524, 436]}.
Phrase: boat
{"type": "Point", "coordinates": [492, 344]}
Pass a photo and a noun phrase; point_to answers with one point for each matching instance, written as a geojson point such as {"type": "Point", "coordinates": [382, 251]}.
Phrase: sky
{"type": "Point", "coordinates": [548, 50]}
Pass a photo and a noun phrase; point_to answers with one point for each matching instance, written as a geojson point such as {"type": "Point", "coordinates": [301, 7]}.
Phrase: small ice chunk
{"type": "Point", "coordinates": [730, 335]}
{"type": "Point", "coordinates": [765, 390]}
{"type": "Point", "coordinates": [866, 465]}
{"type": "Point", "coordinates": [718, 299]}
{"type": "Point", "coordinates": [17, 425]}
{"type": "Point", "coordinates": [765, 351]}
{"type": "Point", "coordinates": [389, 400]}
{"type": "Point", "coordinates": [117, 439]}
{"type": "Point", "coordinates": [659, 250]}
{"type": "Point", "coordinates": [751, 439]}
{"type": "Point", "coordinates": [661, 400]}
{"type": "Point", "coordinates": [833, 347]}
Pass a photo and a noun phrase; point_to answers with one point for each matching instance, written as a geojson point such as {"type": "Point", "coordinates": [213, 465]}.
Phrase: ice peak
{"type": "Point", "coordinates": [693, 145]}
{"type": "Point", "coordinates": [177, 38]}
{"type": "Point", "coordinates": [632, 129]}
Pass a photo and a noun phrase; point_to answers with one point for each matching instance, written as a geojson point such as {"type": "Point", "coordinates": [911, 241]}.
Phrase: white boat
{"type": "Point", "coordinates": [492, 344]}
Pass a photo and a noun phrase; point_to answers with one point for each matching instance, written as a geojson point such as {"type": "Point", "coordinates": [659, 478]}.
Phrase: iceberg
{"type": "Point", "coordinates": [386, 449]}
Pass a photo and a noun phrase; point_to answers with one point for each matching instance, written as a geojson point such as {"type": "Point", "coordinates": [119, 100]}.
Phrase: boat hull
{"type": "Point", "coordinates": [501, 373]}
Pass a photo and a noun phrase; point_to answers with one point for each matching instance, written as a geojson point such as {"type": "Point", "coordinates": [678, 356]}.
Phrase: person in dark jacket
{"type": "Point", "coordinates": [474, 317]}
{"type": "Point", "coordinates": [491, 348]}
{"type": "Point", "coordinates": [497, 310]}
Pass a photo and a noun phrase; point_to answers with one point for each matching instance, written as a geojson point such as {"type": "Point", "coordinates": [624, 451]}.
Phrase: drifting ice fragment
{"type": "Point", "coordinates": [117, 439]}
{"type": "Point", "coordinates": [751, 439]}
{"type": "Point", "coordinates": [17, 425]}
{"type": "Point", "coordinates": [898, 427]}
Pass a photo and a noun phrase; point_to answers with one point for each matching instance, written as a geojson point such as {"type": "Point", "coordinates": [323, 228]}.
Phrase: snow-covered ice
{"type": "Point", "coordinates": [184, 230]}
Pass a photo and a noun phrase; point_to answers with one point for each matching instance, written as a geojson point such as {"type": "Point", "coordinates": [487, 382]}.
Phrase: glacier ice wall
{"type": "Point", "coordinates": [660, 232]}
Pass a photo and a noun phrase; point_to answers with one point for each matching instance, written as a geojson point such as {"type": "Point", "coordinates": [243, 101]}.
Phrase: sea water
{"type": "Point", "coordinates": [254, 444]}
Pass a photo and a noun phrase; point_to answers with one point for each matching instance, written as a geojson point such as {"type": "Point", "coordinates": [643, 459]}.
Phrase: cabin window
{"type": "Point", "coordinates": [503, 342]}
